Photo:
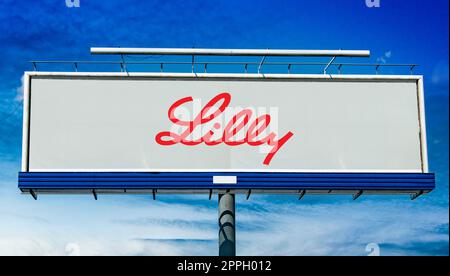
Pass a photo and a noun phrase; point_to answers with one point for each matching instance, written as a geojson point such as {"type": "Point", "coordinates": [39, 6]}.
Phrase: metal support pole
{"type": "Point", "coordinates": [228, 52]}
{"type": "Point", "coordinates": [227, 227]}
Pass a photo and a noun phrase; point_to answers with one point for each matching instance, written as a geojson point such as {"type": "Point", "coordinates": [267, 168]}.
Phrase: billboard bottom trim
{"type": "Point", "coordinates": [203, 183]}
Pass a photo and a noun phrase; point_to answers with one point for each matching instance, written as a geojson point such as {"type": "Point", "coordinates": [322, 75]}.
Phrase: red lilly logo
{"type": "Point", "coordinates": [239, 123]}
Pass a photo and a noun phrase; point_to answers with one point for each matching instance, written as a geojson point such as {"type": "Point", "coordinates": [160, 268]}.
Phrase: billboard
{"type": "Point", "coordinates": [223, 125]}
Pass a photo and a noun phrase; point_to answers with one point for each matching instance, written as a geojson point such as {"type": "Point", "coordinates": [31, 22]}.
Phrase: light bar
{"type": "Point", "coordinates": [228, 52]}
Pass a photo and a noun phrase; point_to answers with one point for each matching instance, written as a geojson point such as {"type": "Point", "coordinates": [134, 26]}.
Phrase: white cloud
{"type": "Point", "coordinates": [187, 225]}
{"type": "Point", "coordinates": [440, 75]}
{"type": "Point", "coordinates": [346, 229]}
{"type": "Point", "coordinates": [139, 226]}
{"type": "Point", "coordinates": [72, 249]}
{"type": "Point", "coordinates": [19, 92]}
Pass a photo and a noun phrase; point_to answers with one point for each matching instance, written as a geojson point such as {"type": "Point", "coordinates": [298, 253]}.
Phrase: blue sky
{"type": "Point", "coordinates": [402, 31]}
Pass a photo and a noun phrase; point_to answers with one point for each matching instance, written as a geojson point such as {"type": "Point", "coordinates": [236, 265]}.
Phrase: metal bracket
{"type": "Point", "coordinates": [411, 69]}
{"type": "Point", "coordinates": [246, 68]}
{"type": "Point", "coordinates": [33, 194]}
{"type": "Point", "coordinates": [339, 69]}
{"type": "Point", "coordinates": [301, 194]}
{"type": "Point", "coordinates": [416, 195]}
{"type": "Point", "coordinates": [358, 194]}
{"type": "Point", "coordinates": [123, 66]}
{"type": "Point", "coordinates": [210, 194]}
{"type": "Point", "coordinates": [261, 64]}
{"type": "Point", "coordinates": [154, 194]}
{"type": "Point", "coordinates": [376, 68]}
{"type": "Point", "coordinates": [289, 68]}
{"type": "Point", "coordinates": [161, 67]}
{"type": "Point", "coordinates": [193, 64]}
{"type": "Point", "coordinates": [328, 65]}
{"type": "Point", "coordinates": [95, 194]}
{"type": "Point", "coordinates": [249, 193]}
{"type": "Point", "coordinates": [34, 66]}
{"type": "Point", "coordinates": [75, 66]}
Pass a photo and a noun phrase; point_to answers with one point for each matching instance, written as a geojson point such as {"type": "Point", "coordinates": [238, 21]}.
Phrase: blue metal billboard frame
{"type": "Point", "coordinates": [374, 183]}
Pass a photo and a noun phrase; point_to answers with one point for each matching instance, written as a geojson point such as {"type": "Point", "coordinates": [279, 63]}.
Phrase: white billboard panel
{"type": "Point", "coordinates": [204, 122]}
